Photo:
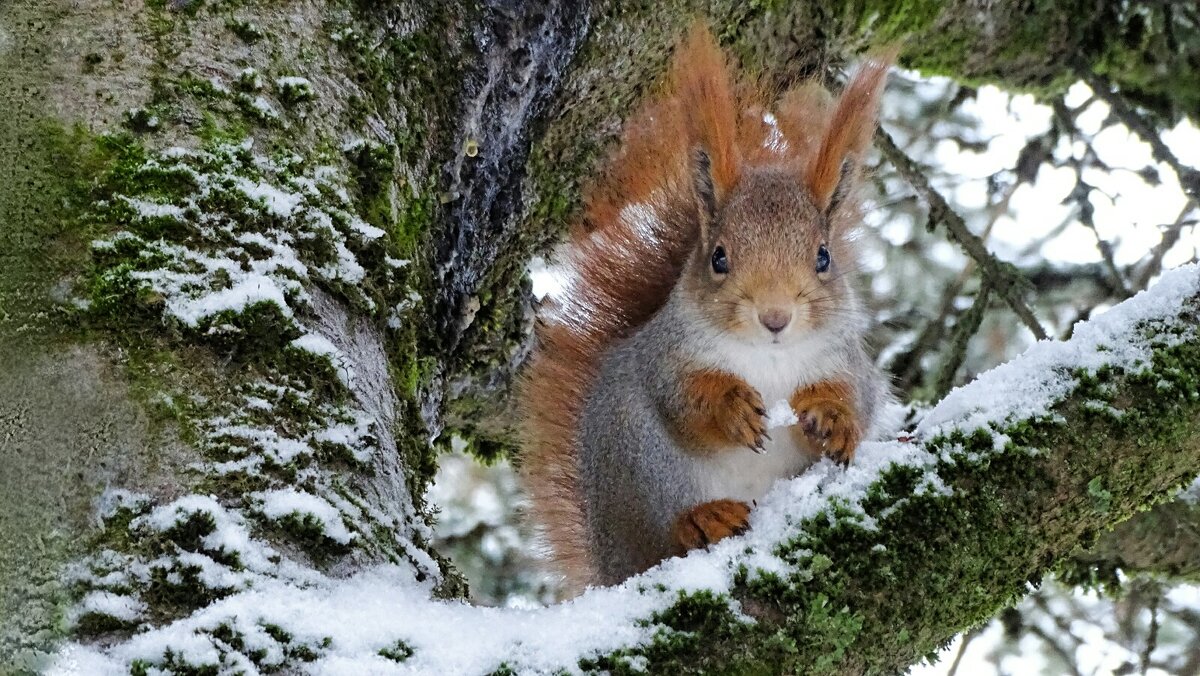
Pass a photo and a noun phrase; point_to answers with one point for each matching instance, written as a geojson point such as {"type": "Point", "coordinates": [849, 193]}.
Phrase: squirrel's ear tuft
{"type": "Point", "coordinates": [846, 180]}
{"type": "Point", "coordinates": [705, 193]}
{"type": "Point", "coordinates": [704, 84]}
{"type": "Point", "coordinates": [848, 132]}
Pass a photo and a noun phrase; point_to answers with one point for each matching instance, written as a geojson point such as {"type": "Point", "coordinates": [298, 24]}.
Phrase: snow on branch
{"type": "Point", "coordinates": [867, 567]}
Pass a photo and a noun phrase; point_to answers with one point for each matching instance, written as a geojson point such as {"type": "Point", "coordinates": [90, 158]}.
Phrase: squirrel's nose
{"type": "Point", "coordinates": [775, 320]}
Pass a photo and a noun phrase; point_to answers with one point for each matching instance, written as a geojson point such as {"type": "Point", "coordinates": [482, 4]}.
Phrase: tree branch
{"type": "Point", "coordinates": [955, 353]}
{"type": "Point", "coordinates": [253, 469]}
{"type": "Point", "coordinates": [1189, 178]}
{"type": "Point", "coordinates": [1003, 277]}
{"type": "Point", "coordinates": [857, 570]}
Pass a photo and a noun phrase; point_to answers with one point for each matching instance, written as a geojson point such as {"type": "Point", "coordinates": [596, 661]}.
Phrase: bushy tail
{"type": "Point", "coordinates": [626, 253]}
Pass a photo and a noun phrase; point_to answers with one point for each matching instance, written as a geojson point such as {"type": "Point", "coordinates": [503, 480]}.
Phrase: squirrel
{"type": "Point", "coordinates": [709, 277]}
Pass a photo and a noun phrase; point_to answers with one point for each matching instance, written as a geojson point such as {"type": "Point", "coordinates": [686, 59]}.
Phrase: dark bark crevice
{"type": "Point", "coordinates": [524, 51]}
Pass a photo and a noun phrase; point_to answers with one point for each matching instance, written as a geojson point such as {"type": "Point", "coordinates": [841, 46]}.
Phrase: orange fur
{"type": "Point", "coordinates": [709, 522]}
{"type": "Point", "coordinates": [700, 74]}
{"type": "Point", "coordinates": [623, 266]}
{"type": "Point", "coordinates": [848, 129]}
{"type": "Point", "coordinates": [724, 411]}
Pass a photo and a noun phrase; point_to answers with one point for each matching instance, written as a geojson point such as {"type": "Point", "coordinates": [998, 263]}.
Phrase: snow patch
{"type": "Point", "coordinates": [279, 504]}
{"type": "Point", "coordinates": [781, 414]}
{"type": "Point", "coordinates": [1028, 386]}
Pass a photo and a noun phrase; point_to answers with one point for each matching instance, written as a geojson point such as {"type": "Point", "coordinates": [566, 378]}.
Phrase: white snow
{"type": "Point", "coordinates": [254, 288]}
{"type": "Point", "coordinates": [250, 78]}
{"type": "Point", "coordinates": [1029, 385]}
{"type": "Point", "coordinates": [230, 534]}
{"type": "Point", "coordinates": [277, 202]}
{"type": "Point", "coordinates": [263, 107]}
{"type": "Point", "coordinates": [278, 448]}
{"type": "Point", "coordinates": [321, 346]}
{"type": "Point", "coordinates": [781, 415]}
{"type": "Point", "coordinates": [230, 260]}
{"type": "Point", "coordinates": [369, 231]}
{"type": "Point", "coordinates": [148, 209]}
{"type": "Point", "coordinates": [119, 606]}
{"type": "Point", "coordinates": [293, 81]}
{"type": "Point", "coordinates": [317, 344]}
{"type": "Point", "coordinates": [285, 502]}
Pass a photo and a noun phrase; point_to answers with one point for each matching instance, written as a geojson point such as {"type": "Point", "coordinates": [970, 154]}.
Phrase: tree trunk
{"type": "Point", "coordinates": [259, 261]}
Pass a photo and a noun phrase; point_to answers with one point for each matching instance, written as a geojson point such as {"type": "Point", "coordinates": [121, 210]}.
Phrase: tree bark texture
{"type": "Point", "coordinates": [259, 260]}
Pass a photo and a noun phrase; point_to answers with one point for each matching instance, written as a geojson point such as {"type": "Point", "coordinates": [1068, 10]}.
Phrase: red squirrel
{"type": "Point", "coordinates": [709, 277]}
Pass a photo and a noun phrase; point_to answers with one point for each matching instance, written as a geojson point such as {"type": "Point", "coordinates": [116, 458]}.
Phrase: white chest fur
{"type": "Point", "coordinates": [775, 371]}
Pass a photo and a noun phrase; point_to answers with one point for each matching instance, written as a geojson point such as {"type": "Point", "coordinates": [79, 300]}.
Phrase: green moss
{"type": "Point", "coordinates": [889, 21]}
{"type": "Point", "coordinates": [1154, 55]}
{"type": "Point", "coordinates": [90, 61]}
{"type": "Point", "coordinates": [293, 93]}
{"type": "Point", "coordinates": [397, 652]}
{"type": "Point", "coordinates": [248, 81]}
{"type": "Point", "coordinates": [231, 637]}
{"type": "Point", "coordinates": [373, 168]}
{"type": "Point", "coordinates": [1102, 499]}
{"type": "Point", "coordinates": [308, 531]}
{"type": "Point", "coordinates": [173, 663]}
{"type": "Point", "coordinates": [141, 121]}
{"type": "Point", "coordinates": [256, 109]}
{"type": "Point", "coordinates": [44, 239]}
{"type": "Point", "coordinates": [248, 31]}
{"type": "Point", "coordinates": [418, 212]}
{"type": "Point", "coordinates": [92, 624]}
{"type": "Point", "coordinates": [176, 592]}
{"type": "Point", "coordinates": [201, 91]}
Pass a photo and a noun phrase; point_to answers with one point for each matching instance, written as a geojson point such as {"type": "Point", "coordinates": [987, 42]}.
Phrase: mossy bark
{"type": "Point", "coordinates": [1162, 541]}
{"type": "Point", "coordinates": [98, 390]}
{"type": "Point", "coordinates": [446, 133]}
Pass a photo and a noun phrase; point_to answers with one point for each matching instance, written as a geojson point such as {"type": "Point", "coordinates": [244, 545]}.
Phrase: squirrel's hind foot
{"type": "Point", "coordinates": [709, 522]}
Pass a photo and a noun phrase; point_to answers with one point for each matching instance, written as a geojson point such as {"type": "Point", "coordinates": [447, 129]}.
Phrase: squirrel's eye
{"type": "Point", "coordinates": [720, 262]}
{"type": "Point", "coordinates": [823, 259]}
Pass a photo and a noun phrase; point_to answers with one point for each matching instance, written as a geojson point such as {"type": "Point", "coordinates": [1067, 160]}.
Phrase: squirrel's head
{"type": "Point", "coordinates": [772, 259]}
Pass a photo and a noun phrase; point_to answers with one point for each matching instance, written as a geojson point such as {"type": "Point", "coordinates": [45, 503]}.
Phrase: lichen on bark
{"type": "Point", "coordinates": [127, 125]}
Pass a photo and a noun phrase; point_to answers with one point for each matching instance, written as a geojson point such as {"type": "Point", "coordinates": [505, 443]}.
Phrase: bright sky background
{"type": "Point", "coordinates": [1133, 217]}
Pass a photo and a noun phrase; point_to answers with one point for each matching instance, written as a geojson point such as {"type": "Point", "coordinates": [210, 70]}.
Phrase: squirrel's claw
{"type": "Point", "coordinates": [830, 427]}
{"type": "Point", "coordinates": [710, 522]}
{"type": "Point", "coordinates": [741, 417]}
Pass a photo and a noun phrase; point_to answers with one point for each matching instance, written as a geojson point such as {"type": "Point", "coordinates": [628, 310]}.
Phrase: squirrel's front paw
{"type": "Point", "coordinates": [743, 417]}
{"type": "Point", "coordinates": [828, 421]}
{"type": "Point", "coordinates": [706, 523]}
